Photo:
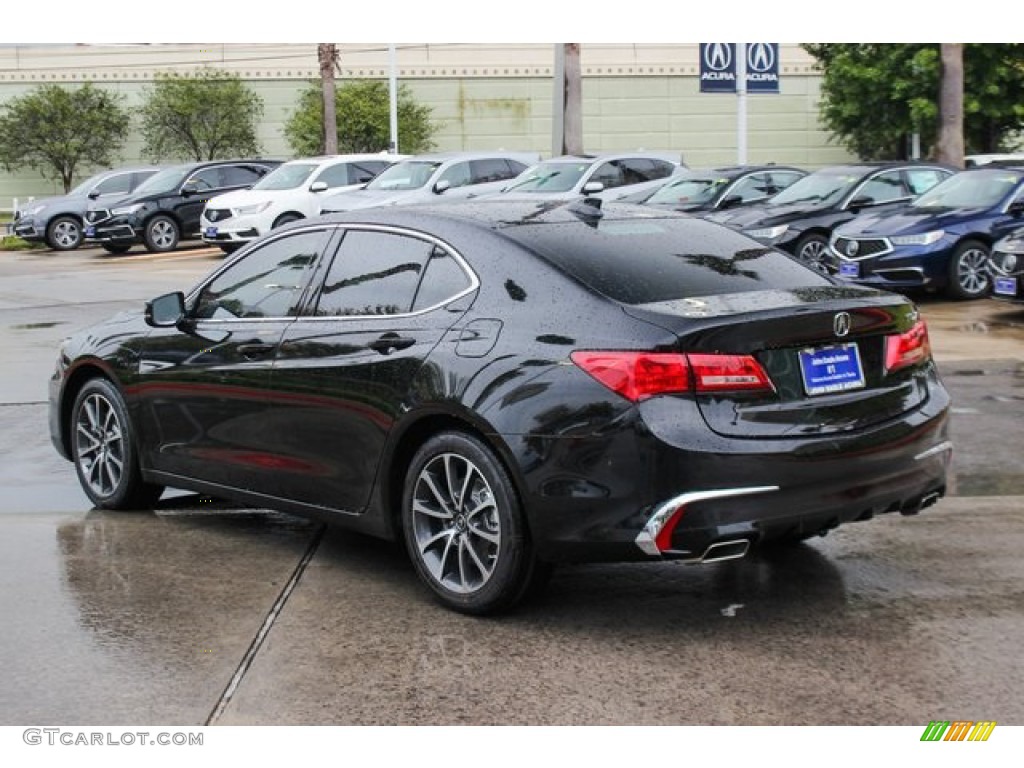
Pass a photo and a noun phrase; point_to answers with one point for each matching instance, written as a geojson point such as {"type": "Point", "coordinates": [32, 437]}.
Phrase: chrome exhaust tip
{"type": "Point", "coordinates": [725, 550]}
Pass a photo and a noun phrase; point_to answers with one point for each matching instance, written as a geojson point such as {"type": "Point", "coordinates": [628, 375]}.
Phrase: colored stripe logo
{"type": "Point", "coordinates": [958, 730]}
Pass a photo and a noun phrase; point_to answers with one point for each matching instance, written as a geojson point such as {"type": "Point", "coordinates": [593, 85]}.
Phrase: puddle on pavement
{"type": "Point", "coordinates": [33, 326]}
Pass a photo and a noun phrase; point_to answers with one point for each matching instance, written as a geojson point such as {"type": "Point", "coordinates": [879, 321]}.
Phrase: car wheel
{"type": "Point", "coordinates": [968, 273]}
{"type": "Point", "coordinates": [465, 529]}
{"type": "Point", "coordinates": [116, 248]}
{"type": "Point", "coordinates": [812, 250]}
{"type": "Point", "coordinates": [103, 450]}
{"type": "Point", "coordinates": [161, 234]}
{"type": "Point", "coordinates": [64, 233]}
{"type": "Point", "coordinates": [285, 218]}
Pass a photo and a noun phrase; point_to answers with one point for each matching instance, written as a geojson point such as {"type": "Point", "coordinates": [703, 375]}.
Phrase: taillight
{"type": "Point", "coordinates": [640, 375]}
{"type": "Point", "coordinates": [908, 348]}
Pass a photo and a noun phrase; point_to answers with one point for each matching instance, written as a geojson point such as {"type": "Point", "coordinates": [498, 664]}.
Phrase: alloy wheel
{"type": "Point", "coordinates": [163, 234]}
{"type": "Point", "coordinates": [456, 525]}
{"type": "Point", "coordinates": [972, 272]}
{"type": "Point", "coordinates": [66, 234]}
{"type": "Point", "coordinates": [99, 438]}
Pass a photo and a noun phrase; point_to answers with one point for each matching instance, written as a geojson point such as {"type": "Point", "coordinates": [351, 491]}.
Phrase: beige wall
{"type": "Point", "coordinates": [484, 96]}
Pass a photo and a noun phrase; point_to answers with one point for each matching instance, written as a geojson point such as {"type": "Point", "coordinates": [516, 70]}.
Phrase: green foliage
{"type": "Point", "coordinates": [363, 120]}
{"type": "Point", "coordinates": [874, 96]}
{"type": "Point", "coordinates": [15, 243]}
{"type": "Point", "coordinates": [56, 130]}
{"type": "Point", "coordinates": [209, 115]}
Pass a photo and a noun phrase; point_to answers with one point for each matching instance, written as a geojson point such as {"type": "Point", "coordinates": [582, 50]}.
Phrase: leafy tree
{"type": "Point", "coordinates": [56, 130]}
{"type": "Point", "coordinates": [363, 120]}
{"type": "Point", "coordinates": [874, 96]}
{"type": "Point", "coordinates": [208, 115]}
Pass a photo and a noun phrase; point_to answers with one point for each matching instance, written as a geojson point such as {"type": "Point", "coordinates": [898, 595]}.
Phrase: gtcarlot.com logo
{"type": "Point", "coordinates": [70, 738]}
{"type": "Point", "coordinates": [958, 730]}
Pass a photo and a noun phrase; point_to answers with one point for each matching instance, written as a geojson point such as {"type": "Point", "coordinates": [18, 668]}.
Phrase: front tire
{"type": "Point", "coordinates": [812, 250]}
{"type": "Point", "coordinates": [465, 529]}
{"type": "Point", "coordinates": [103, 450]}
{"type": "Point", "coordinates": [968, 273]}
{"type": "Point", "coordinates": [161, 234]}
{"type": "Point", "coordinates": [64, 233]}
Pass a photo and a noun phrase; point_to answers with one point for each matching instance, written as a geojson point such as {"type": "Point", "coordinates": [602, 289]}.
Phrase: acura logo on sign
{"type": "Point", "coordinates": [718, 56]}
{"type": "Point", "coordinates": [760, 57]}
{"type": "Point", "coordinates": [841, 324]}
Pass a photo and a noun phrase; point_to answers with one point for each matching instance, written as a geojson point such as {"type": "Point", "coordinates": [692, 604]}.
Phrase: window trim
{"type": "Point", "coordinates": [342, 229]}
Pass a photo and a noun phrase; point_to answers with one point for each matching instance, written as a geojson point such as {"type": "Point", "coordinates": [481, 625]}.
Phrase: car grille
{"type": "Point", "coordinates": [217, 214]}
{"type": "Point", "coordinates": [854, 249]}
{"type": "Point", "coordinates": [97, 215]}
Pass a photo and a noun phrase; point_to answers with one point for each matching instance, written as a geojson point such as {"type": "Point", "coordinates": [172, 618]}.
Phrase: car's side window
{"type": "Point", "coordinates": [757, 186]}
{"type": "Point", "coordinates": [779, 180]}
{"type": "Point", "coordinates": [640, 169]}
{"type": "Point", "coordinates": [115, 184]}
{"type": "Point", "coordinates": [457, 175]}
{"type": "Point", "coordinates": [365, 170]}
{"type": "Point", "coordinates": [883, 188]}
{"type": "Point", "coordinates": [336, 175]}
{"type": "Point", "coordinates": [141, 176]}
{"type": "Point", "coordinates": [443, 279]}
{"type": "Point", "coordinates": [373, 273]}
{"type": "Point", "coordinates": [609, 174]}
{"type": "Point", "coordinates": [208, 178]}
{"type": "Point", "coordinates": [491, 169]}
{"type": "Point", "coordinates": [267, 282]}
{"type": "Point", "coordinates": [239, 175]}
{"type": "Point", "coordinates": [920, 180]}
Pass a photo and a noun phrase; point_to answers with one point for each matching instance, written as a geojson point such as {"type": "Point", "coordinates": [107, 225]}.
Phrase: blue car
{"type": "Point", "coordinates": [941, 241]}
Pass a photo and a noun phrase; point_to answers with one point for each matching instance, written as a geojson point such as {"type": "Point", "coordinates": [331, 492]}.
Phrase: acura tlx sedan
{"type": "Point", "coordinates": [506, 385]}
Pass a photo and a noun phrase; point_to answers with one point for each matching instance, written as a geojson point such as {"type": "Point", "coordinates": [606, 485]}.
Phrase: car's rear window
{"type": "Point", "coordinates": [642, 261]}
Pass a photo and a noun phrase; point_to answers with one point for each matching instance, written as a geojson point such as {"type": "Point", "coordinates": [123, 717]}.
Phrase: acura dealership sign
{"type": "Point", "coordinates": [718, 67]}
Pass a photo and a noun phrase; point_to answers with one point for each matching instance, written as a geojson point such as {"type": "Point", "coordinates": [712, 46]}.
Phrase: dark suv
{"type": "Point", "coordinates": [58, 221]}
{"type": "Point", "coordinates": [167, 207]}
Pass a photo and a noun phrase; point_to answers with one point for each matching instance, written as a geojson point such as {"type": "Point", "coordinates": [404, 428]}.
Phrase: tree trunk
{"type": "Point", "coordinates": [572, 133]}
{"type": "Point", "coordinates": [950, 145]}
{"type": "Point", "coordinates": [328, 56]}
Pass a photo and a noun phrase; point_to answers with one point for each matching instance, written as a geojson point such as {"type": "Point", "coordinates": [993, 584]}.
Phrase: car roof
{"type": "Point", "coordinates": [475, 155]}
{"type": "Point", "coordinates": [672, 157]}
{"type": "Point", "coordinates": [212, 163]}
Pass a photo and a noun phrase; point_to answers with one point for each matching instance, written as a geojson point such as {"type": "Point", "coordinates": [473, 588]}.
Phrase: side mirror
{"type": "Point", "coordinates": [861, 201]}
{"type": "Point", "coordinates": [364, 179]}
{"type": "Point", "coordinates": [592, 187]}
{"type": "Point", "coordinates": [94, 194]}
{"type": "Point", "coordinates": [1016, 208]}
{"type": "Point", "coordinates": [318, 186]}
{"type": "Point", "coordinates": [189, 189]}
{"type": "Point", "coordinates": [442, 186]}
{"type": "Point", "coordinates": [730, 201]}
{"type": "Point", "coordinates": [166, 311]}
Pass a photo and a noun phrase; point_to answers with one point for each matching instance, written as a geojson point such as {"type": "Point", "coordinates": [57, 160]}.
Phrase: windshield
{"type": "Point", "coordinates": [689, 190]}
{"type": "Point", "coordinates": [286, 176]}
{"type": "Point", "coordinates": [820, 188]}
{"type": "Point", "coordinates": [411, 174]}
{"type": "Point", "coordinates": [167, 180]}
{"type": "Point", "coordinates": [976, 189]}
{"type": "Point", "coordinates": [549, 177]}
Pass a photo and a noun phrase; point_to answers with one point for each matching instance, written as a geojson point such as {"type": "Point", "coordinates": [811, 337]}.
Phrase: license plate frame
{"type": "Point", "coordinates": [831, 369]}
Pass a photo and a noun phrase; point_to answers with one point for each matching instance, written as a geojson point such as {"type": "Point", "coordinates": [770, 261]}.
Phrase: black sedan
{"type": "Point", "coordinates": [800, 219]}
{"type": "Point", "coordinates": [711, 189]}
{"type": "Point", "coordinates": [509, 385]}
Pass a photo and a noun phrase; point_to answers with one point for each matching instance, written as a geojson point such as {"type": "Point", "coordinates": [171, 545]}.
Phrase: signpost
{"type": "Point", "coordinates": [741, 69]}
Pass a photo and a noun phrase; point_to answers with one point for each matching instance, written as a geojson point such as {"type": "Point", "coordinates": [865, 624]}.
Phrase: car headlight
{"type": "Point", "coordinates": [925, 238]}
{"type": "Point", "coordinates": [128, 209]}
{"type": "Point", "coordinates": [767, 233]}
{"type": "Point", "coordinates": [1010, 245]}
{"type": "Point", "coordinates": [247, 210]}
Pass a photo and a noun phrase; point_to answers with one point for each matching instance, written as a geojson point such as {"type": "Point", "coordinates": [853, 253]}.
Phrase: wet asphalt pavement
{"type": "Point", "coordinates": [202, 612]}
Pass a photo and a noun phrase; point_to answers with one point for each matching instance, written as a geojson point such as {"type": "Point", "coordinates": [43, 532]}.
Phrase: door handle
{"type": "Point", "coordinates": [254, 349]}
{"type": "Point", "coordinates": [389, 342]}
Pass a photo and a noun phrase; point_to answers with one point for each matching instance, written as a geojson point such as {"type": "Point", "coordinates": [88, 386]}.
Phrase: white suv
{"type": "Point", "coordinates": [291, 192]}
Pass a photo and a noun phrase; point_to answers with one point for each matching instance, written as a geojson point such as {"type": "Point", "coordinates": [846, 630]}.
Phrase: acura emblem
{"type": "Point", "coordinates": [841, 324]}
{"type": "Point", "coordinates": [718, 56]}
{"type": "Point", "coordinates": [760, 57]}
{"type": "Point", "coordinates": [851, 248]}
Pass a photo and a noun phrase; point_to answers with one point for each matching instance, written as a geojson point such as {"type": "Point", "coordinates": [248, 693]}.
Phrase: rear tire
{"type": "Point", "coordinates": [968, 273]}
{"type": "Point", "coordinates": [465, 530]}
{"type": "Point", "coordinates": [161, 234]}
{"type": "Point", "coordinates": [103, 450]}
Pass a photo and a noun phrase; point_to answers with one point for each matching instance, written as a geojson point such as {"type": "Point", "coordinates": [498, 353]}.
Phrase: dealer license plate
{"type": "Point", "coordinates": [831, 369]}
{"type": "Point", "coordinates": [1006, 286]}
{"type": "Point", "coordinates": [849, 269]}
{"type": "Point", "coordinates": [210, 232]}
{"type": "Point", "coordinates": [90, 231]}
